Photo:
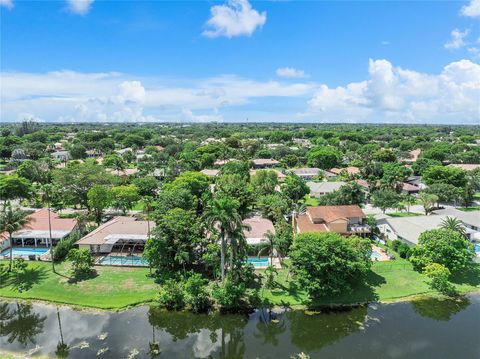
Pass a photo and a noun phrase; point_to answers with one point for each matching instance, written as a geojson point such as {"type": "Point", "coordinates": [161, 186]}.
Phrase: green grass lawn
{"type": "Point", "coordinates": [404, 214]}
{"type": "Point", "coordinates": [112, 288]}
{"type": "Point", "coordinates": [386, 282]}
{"type": "Point", "coordinates": [311, 201]}
{"type": "Point", "coordinates": [469, 209]}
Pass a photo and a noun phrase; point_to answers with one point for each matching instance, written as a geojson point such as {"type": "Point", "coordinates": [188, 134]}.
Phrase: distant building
{"type": "Point", "coordinates": [408, 188]}
{"type": "Point", "coordinates": [210, 172]}
{"type": "Point", "coordinates": [307, 173]}
{"type": "Point", "coordinates": [261, 163]}
{"type": "Point", "coordinates": [346, 220]}
{"type": "Point", "coordinates": [318, 189]}
{"type": "Point", "coordinates": [350, 170]}
{"type": "Point", "coordinates": [62, 156]}
{"type": "Point", "coordinates": [280, 175]}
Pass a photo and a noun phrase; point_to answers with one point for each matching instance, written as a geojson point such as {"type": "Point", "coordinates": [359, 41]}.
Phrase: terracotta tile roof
{"type": "Point", "coordinates": [305, 225]}
{"type": "Point", "coordinates": [39, 222]}
{"type": "Point", "coordinates": [265, 161]}
{"type": "Point", "coordinates": [259, 227]}
{"type": "Point", "coordinates": [407, 187]}
{"type": "Point", "coordinates": [332, 213]}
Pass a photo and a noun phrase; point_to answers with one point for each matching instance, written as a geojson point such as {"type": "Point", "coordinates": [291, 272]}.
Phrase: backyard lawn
{"type": "Point", "coordinates": [404, 214]}
{"type": "Point", "coordinates": [112, 288]}
{"type": "Point", "coordinates": [387, 281]}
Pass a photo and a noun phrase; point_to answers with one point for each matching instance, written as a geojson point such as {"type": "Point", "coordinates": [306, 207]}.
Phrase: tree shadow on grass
{"type": "Point", "coordinates": [360, 293]}
{"type": "Point", "coordinates": [23, 281]}
{"type": "Point", "coordinates": [470, 276]}
{"type": "Point", "coordinates": [82, 276]}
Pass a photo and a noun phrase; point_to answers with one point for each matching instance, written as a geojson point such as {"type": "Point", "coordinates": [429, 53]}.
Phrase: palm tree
{"type": "Point", "coordinates": [409, 200]}
{"type": "Point", "coordinates": [147, 208]}
{"type": "Point", "coordinates": [454, 224]}
{"type": "Point", "coordinates": [63, 350]}
{"type": "Point", "coordinates": [11, 220]}
{"type": "Point", "coordinates": [270, 246]}
{"type": "Point", "coordinates": [222, 214]}
{"type": "Point", "coordinates": [46, 198]}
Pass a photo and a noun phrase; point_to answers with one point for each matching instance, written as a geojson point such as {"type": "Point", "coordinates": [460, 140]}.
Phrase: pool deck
{"type": "Point", "coordinates": [383, 255]}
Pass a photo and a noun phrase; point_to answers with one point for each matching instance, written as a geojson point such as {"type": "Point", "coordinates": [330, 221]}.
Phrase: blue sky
{"type": "Point", "coordinates": [298, 61]}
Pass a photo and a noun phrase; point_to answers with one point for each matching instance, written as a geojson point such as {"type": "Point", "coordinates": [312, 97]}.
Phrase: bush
{"type": "Point", "coordinates": [403, 250]}
{"type": "Point", "coordinates": [395, 244]}
{"type": "Point", "coordinates": [439, 275]}
{"type": "Point", "coordinates": [82, 261]}
{"type": "Point", "coordinates": [230, 295]}
{"type": "Point", "coordinates": [196, 295]}
{"type": "Point", "coordinates": [171, 294]}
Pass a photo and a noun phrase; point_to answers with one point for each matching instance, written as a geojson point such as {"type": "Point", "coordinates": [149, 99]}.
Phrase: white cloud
{"type": "Point", "coordinates": [7, 3]}
{"type": "Point", "coordinates": [457, 39]}
{"type": "Point", "coordinates": [395, 94]}
{"type": "Point", "coordinates": [80, 7]}
{"type": "Point", "coordinates": [385, 43]}
{"type": "Point", "coordinates": [191, 117]}
{"type": "Point", "coordinates": [235, 18]}
{"type": "Point", "coordinates": [472, 9]}
{"type": "Point", "coordinates": [291, 72]}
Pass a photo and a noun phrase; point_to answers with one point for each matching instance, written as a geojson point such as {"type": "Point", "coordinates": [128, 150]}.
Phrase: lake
{"type": "Point", "coordinates": [421, 329]}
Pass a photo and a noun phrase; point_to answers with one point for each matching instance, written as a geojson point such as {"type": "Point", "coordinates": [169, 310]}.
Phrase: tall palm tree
{"type": "Point", "coordinates": [46, 198]}
{"type": "Point", "coordinates": [222, 214]}
{"type": "Point", "coordinates": [147, 208]}
{"type": "Point", "coordinates": [454, 224]}
{"type": "Point", "coordinates": [270, 246]}
{"type": "Point", "coordinates": [11, 220]}
{"type": "Point", "coordinates": [63, 350]}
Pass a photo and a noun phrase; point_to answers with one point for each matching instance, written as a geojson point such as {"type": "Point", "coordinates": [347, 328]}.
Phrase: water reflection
{"type": "Point", "coordinates": [312, 332]}
{"type": "Point", "coordinates": [20, 324]}
{"type": "Point", "coordinates": [149, 332]}
{"type": "Point", "coordinates": [440, 309]}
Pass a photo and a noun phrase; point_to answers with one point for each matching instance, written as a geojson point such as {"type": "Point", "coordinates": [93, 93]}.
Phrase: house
{"type": "Point", "coordinates": [257, 230]}
{"type": "Point", "coordinates": [123, 151]}
{"type": "Point", "coordinates": [123, 173]}
{"type": "Point", "coordinates": [416, 181]}
{"type": "Point", "coordinates": [307, 173]}
{"type": "Point", "coordinates": [260, 163]}
{"type": "Point", "coordinates": [408, 188]}
{"type": "Point", "coordinates": [210, 173]}
{"type": "Point", "coordinates": [318, 189]}
{"type": "Point", "coordinates": [465, 166]}
{"type": "Point", "coordinates": [222, 162]}
{"type": "Point", "coordinates": [349, 170]}
{"type": "Point", "coordinates": [62, 156]}
{"type": "Point", "coordinates": [346, 220]}
{"type": "Point", "coordinates": [471, 220]}
{"type": "Point", "coordinates": [93, 153]}
{"type": "Point", "coordinates": [121, 235]}
{"type": "Point", "coordinates": [37, 231]}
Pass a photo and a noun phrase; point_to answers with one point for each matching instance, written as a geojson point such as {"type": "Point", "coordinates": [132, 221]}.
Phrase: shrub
{"type": "Point", "coordinates": [82, 261]}
{"type": "Point", "coordinates": [171, 294]}
{"type": "Point", "coordinates": [439, 275]}
{"type": "Point", "coordinates": [403, 250]}
{"type": "Point", "coordinates": [196, 295]}
{"type": "Point", "coordinates": [230, 295]}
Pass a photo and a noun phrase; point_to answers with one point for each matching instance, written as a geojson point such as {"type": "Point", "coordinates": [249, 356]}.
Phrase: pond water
{"type": "Point", "coordinates": [421, 329]}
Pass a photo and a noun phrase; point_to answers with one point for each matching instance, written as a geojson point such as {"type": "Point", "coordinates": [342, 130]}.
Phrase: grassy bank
{"type": "Point", "coordinates": [116, 288]}
{"type": "Point", "coordinates": [387, 282]}
{"type": "Point", "coordinates": [111, 288]}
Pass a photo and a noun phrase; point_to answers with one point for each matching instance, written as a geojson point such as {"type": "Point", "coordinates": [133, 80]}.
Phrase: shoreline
{"type": "Point", "coordinates": [330, 306]}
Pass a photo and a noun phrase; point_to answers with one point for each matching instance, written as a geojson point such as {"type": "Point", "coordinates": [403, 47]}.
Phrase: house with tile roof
{"type": "Point", "coordinates": [346, 220]}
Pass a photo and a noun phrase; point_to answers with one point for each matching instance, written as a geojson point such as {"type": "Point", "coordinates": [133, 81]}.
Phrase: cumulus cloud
{"type": "Point", "coordinates": [291, 72]}
{"type": "Point", "coordinates": [7, 3]}
{"type": "Point", "coordinates": [456, 39]}
{"type": "Point", "coordinates": [80, 7]}
{"type": "Point", "coordinates": [235, 18]}
{"type": "Point", "coordinates": [472, 9]}
{"type": "Point", "coordinates": [395, 94]}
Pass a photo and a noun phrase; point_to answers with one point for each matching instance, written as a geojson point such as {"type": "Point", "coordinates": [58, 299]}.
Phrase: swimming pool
{"type": "Point", "coordinates": [24, 252]}
{"type": "Point", "coordinates": [134, 261]}
{"type": "Point", "coordinates": [375, 255]}
{"type": "Point", "coordinates": [477, 248]}
{"type": "Point", "coordinates": [258, 262]}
